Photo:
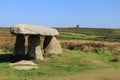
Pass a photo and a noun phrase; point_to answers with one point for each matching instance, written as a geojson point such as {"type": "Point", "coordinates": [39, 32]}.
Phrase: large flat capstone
{"type": "Point", "coordinates": [28, 29]}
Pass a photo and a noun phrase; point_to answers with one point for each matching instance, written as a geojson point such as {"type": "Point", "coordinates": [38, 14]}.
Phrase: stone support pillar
{"type": "Point", "coordinates": [19, 49]}
{"type": "Point", "coordinates": [34, 49]}
{"type": "Point", "coordinates": [52, 45]}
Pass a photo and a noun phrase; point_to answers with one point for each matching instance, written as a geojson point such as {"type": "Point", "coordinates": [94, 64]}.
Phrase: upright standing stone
{"type": "Point", "coordinates": [52, 45]}
{"type": "Point", "coordinates": [34, 49]}
{"type": "Point", "coordinates": [19, 48]}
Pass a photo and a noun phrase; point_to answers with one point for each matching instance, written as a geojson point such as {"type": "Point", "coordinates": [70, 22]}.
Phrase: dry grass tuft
{"type": "Point", "coordinates": [90, 45]}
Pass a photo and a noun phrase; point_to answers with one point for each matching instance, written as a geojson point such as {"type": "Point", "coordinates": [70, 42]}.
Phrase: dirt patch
{"type": "Point", "coordinates": [46, 59]}
{"type": "Point", "coordinates": [29, 79]}
{"type": "Point", "coordinates": [4, 77]}
{"type": "Point", "coordinates": [96, 62]}
{"type": "Point", "coordinates": [108, 74]}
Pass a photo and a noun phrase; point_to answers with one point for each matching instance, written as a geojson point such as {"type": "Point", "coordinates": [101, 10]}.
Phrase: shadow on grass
{"type": "Point", "coordinates": [5, 58]}
{"type": "Point", "coordinates": [10, 58]}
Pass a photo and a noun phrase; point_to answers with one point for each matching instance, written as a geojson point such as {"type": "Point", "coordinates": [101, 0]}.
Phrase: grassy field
{"type": "Point", "coordinates": [102, 33]}
{"type": "Point", "coordinates": [86, 56]}
{"type": "Point", "coordinates": [70, 35]}
{"type": "Point", "coordinates": [72, 65]}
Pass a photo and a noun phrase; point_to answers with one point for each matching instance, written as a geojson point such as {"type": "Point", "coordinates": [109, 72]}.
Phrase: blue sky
{"type": "Point", "coordinates": [61, 13]}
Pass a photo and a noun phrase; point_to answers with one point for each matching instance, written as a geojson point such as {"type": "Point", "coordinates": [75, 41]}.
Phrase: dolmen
{"type": "Point", "coordinates": [51, 45]}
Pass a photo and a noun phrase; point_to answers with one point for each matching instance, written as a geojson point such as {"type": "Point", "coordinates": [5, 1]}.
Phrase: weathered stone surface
{"type": "Point", "coordinates": [23, 65]}
{"type": "Point", "coordinates": [34, 49]}
{"type": "Point", "coordinates": [19, 48]}
{"type": "Point", "coordinates": [23, 62]}
{"type": "Point", "coordinates": [33, 30]}
{"type": "Point", "coordinates": [52, 45]}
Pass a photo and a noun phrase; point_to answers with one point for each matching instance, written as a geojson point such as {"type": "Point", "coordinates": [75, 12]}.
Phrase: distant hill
{"type": "Point", "coordinates": [91, 33]}
{"type": "Point", "coordinates": [5, 32]}
{"type": "Point", "coordinates": [108, 34]}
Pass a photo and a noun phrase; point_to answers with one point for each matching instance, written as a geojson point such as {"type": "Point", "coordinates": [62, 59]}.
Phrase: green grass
{"type": "Point", "coordinates": [69, 35]}
{"type": "Point", "coordinates": [117, 31]}
{"type": "Point", "coordinates": [72, 62]}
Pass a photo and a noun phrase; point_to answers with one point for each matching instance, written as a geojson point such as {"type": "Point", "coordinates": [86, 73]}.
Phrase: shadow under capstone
{"type": "Point", "coordinates": [11, 58]}
{"type": "Point", "coordinates": [5, 58]}
{"type": "Point", "coordinates": [17, 58]}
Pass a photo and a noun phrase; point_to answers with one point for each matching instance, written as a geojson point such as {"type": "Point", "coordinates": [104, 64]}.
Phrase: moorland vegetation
{"type": "Point", "coordinates": [88, 54]}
